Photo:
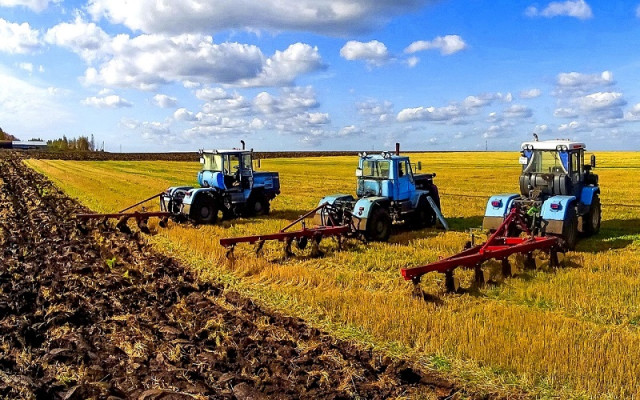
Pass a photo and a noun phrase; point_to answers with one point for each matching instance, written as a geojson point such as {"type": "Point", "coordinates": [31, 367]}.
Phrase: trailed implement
{"type": "Point", "coordinates": [501, 244]}
{"type": "Point", "coordinates": [123, 217]}
{"type": "Point", "coordinates": [303, 237]}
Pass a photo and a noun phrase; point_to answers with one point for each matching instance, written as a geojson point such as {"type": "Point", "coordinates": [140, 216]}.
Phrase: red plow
{"type": "Point", "coordinates": [499, 246]}
{"type": "Point", "coordinates": [301, 237]}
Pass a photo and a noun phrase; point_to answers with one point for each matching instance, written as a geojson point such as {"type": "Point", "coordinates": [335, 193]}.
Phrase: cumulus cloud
{"type": "Point", "coordinates": [565, 112]}
{"type": "Point", "coordinates": [530, 94]}
{"type": "Point", "coordinates": [575, 83]}
{"type": "Point", "coordinates": [164, 101]}
{"type": "Point", "coordinates": [438, 114]}
{"type": "Point", "coordinates": [26, 66]}
{"type": "Point", "coordinates": [110, 101]}
{"type": "Point", "coordinates": [290, 100]}
{"type": "Point", "coordinates": [182, 114]}
{"type": "Point", "coordinates": [333, 17]}
{"type": "Point", "coordinates": [147, 61]}
{"type": "Point", "coordinates": [517, 111]}
{"type": "Point", "coordinates": [375, 111]}
{"type": "Point", "coordinates": [372, 52]}
{"type": "Point", "coordinates": [85, 39]}
{"type": "Point", "coordinates": [570, 8]}
{"type": "Point", "coordinates": [18, 38]}
{"type": "Point", "coordinates": [571, 126]}
{"type": "Point", "coordinates": [35, 5]}
{"type": "Point", "coordinates": [447, 45]}
{"type": "Point", "coordinates": [601, 101]}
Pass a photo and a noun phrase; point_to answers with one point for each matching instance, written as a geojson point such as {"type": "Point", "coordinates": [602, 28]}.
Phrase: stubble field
{"type": "Point", "coordinates": [571, 332]}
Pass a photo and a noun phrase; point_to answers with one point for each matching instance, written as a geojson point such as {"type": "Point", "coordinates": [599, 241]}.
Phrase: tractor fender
{"type": "Point", "coordinates": [363, 208]}
{"type": "Point", "coordinates": [194, 194]}
{"type": "Point", "coordinates": [332, 198]}
{"type": "Point", "coordinates": [497, 209]}
{"type": "Point", "coordinates": [588, 193]}
{"type": "Point", "coordinates": [418, 195]}
{"type": "Point", "coordinates": [321, 218]}
{"type": "Point", "coordinates": [554, 213]}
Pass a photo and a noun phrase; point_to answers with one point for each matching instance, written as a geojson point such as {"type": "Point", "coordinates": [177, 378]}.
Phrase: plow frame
{"type": "Point", "coordinates": [301, 236]}
{"type": "Point", "coordinates": [498, 246]}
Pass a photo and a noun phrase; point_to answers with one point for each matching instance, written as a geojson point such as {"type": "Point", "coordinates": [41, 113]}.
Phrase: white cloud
{"type": "Point", "coordinates": [26, 66]}
{"type": "Point", "coordinates": [213, 94]}
{"type": "Point", "coordinates": [35, 5]}
{"type": "Point", "coordinates": [351, 130]}
{"type": "Point", "coordinates": [147, 61]}
{"type": "Point", "coordinates": [573, 84]}
{"type": "Point", "coordinates": [530, 94]}
{"type": "Point", "coordinates": [291, 100]}
{"type": "Point", "coordinates": [439, 114]}
{"type": "Point", "coordinates": [18, 38]}
{"type": "Point", "coordinates": [570, 8]}
{"type": "Point", "coordinates": [638, 11]}
{"type": "Point", "coordinates": [601, 101]}
{"type": "Point", "coordinates": [373, 52]}
{"type": "Point", "coordinates": [333, 17]}
{"type": "Point", "coordinates": [85, 39]}
{"type": "Point", "coordinates": [517, 111]}
{"type": "Point", "coordinates": [571, 126]}
{"type": "Point", "coordinates": [565, 112]}
{"type": "Point", "coordinates": [375, 112]}
{"type": "Point", "coordinates": [23, 105]}
{"type": "Point", "coordinates": [110, 101]}
{"type": "Point", "coordinates": [541, 129]}
{"type": "Point", "coordinates": [447, 45]}
{"type": "Point", "coordinates": [164, 101]}
{"type": "Point", "coordinates": [182, 114]}
{"type": "Point", "coordinates": [412, 61]}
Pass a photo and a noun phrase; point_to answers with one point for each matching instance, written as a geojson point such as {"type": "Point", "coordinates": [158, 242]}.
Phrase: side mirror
{"type": "Point", "coordinates": [358, 172]}
{"type": "Point", "coordinates": [201, 160]}
{"type": "Point", "coordinates": [593, 161]}
{"type": "Point", "coordinates": [419, 166]}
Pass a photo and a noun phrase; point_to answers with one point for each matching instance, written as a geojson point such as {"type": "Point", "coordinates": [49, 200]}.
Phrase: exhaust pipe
{"type": "Point", "coordinates": [397, 149]}
{"type": "Point", "coordinates": [242, 141]}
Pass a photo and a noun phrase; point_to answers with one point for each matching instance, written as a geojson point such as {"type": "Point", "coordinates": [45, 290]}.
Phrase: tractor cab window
{"type": "Point", "coordinates": [375, 169]}
{"type": "Point", "coordinates": [246, 161]}
{"type": "Point", "coordinates": [212, 162]}
{"type": "Point", "coordinates": [576, 165]}
{"type": "Point", "coordinates": [547, 162]}
{"type": "Point", "coordinates": [401, 169]}
{"type": "Point", "coordinates": [233, 164]}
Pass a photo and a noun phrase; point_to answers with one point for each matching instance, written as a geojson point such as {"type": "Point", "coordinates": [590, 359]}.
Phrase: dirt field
{"type": "Point", "coordinates": [103, 315]}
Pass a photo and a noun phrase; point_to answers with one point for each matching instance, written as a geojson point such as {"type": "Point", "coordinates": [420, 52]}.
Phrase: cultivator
{"type": "Point", "coordinates": [500, 245]}
{"type": "Point", "coordinates": [123, 217]}
{"type": "Point", "coordinates": [304, 236]}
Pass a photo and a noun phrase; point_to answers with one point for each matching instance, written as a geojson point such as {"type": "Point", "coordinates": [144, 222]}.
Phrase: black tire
{"type": "Point", "coordinates": [204, 210]}
{"type": "Point", "coordinates": [591, 220]}
{"type": "Point", "coordinates": [378, 225]}
{"type": "Point", "coordinates": [423, 216]}
{"type": "Point", "coordinates": [570, 229]}
{"type": "Point", "coordinates": [258, 205]}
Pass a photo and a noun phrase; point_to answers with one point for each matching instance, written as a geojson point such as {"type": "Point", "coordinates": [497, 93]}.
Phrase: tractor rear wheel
{"type": "Point", "coordinates": [424, 216]}
{"type": "Point", "coordinates": [591, 221]}
{"type": "Point", "coordinates": [204, 210]}
{"type": "Point", "coordinates": [258, 205]}
{"type": "Point", "coordinates": [379, 225]}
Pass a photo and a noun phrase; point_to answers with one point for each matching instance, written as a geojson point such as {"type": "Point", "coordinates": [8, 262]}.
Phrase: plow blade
{"type": "Point", "coordinates": [499, 246]}
{"type": "Point", "coordinates": [123, 217]}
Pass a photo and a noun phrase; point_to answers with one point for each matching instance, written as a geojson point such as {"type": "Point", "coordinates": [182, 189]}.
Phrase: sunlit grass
{"type": "Point", "coordinates": [567, 333]}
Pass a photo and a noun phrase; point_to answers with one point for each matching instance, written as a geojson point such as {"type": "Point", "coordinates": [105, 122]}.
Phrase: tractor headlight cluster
{"type": "Point", "coordinates": [527, 147]}
{"type": "Point", "coordinates": [562, 147]}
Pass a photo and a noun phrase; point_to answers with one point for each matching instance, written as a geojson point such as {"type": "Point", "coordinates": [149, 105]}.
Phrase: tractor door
{"type": "Point", "coordinates": [576, 172]}
{"type": "Point", "coordinates": [246, 172]}
{"type": "Point", "coordinates": [404, 180]}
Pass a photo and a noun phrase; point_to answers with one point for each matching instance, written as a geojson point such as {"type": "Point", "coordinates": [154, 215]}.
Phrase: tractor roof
{"type": "Point", "coordinates": [383, 156]}
{"type": "Point", "coordinates": [553, 145]}
{"type": "Point", "coordinates": [231, 151]}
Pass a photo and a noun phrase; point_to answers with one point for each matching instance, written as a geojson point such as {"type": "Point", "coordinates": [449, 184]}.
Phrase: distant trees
{"type": "Point", "coordinates": [82, 143]}
{"type": "Point", "coordinates": [5, 136]}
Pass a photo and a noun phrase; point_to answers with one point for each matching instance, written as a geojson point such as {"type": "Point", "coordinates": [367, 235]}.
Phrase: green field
{"type": "Point", "coordinates": [566, 333]}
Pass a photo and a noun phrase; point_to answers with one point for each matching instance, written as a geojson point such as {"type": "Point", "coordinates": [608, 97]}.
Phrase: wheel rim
{"type": "Point", "coordinates": [257, 207]}
{"type": "Point", "coordinates": [205, 212]}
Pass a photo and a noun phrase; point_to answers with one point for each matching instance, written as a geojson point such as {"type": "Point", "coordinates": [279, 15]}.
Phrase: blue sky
{"type": "Point", "coordinates": [153, 75]}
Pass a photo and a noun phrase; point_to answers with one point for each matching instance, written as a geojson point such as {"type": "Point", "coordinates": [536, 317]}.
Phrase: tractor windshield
{"type": "Point", "coordinates": [212, 162]}
{"type": "Point", "coordinates": [375, 169]}
{"type": "Point", "coordinates": [548, 162]}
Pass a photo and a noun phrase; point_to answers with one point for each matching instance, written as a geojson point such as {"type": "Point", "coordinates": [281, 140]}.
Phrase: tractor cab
{"type": "Point", "coordinates": [555, 167]}
{"type": "Point", "coordinates": [230, 170]}
{"type": "Point", "coordinates": [385, 175]}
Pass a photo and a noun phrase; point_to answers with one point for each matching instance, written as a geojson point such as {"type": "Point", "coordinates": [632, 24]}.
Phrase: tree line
{"type": "Point", "coordinates": [82, 143]}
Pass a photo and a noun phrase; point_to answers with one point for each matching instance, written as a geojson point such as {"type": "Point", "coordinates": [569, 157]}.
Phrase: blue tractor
{"type": "Point", "coordinates": [229, 188]}
{"type": "Point", "coordinates": [559, 193]}
{"type": "Point", "coordinates": [387, 192]}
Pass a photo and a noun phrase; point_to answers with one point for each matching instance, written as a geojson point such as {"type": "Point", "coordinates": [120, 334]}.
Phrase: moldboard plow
{"type": "Point", "coordinates": [304, 236]}
{"type": "Point", "coordinates": [499, 246]}
{"type": "Point", "coordinates": [123, 216]}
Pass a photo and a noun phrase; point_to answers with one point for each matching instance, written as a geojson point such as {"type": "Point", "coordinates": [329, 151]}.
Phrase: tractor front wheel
{"type": "Point", "coordinates": [570, 230]}
{"type": "Point", "coordinates": [204, 210]}
{"type": "Point", "coordinates": [379, 225]}
{"type": "Point", "coordinates": [424, 216]}
{"type": "Point", "coordinates": [591, 221]}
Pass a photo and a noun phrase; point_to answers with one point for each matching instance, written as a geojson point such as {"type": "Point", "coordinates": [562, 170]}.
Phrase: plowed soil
{"type": "Point", "coordinates": [102, 315]}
